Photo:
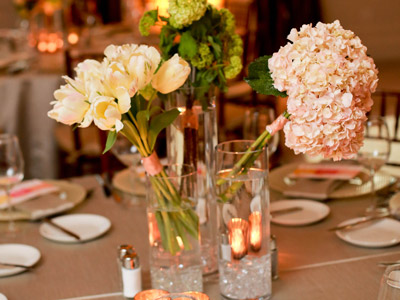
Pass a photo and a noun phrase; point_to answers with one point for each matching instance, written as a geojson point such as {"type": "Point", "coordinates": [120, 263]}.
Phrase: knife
{"type": "Point", "coordinates": [283, 211]}
{"type": "Point", "coordinates": [70, 233]}
{"type": "Point", "coordinates": [365, 220]}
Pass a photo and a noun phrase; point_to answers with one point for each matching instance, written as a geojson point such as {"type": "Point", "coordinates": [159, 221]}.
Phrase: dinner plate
{"type": "Point", "coordinates": [311, 212]}
{"type": "Point", "coordinates": [279, 181]}
{"type": "Point", "coordinates": [2, 297]}
{"type": "Point", "coordinates": [129, 182]}
{"type": "Point", "coordinates": [375, 234]}
{"type": "Point", "coordinates": [71, 193]}
{"type": "Point", "coordinates": [17, 254]}
{"type": "Point", "coordinates": [87, 226]}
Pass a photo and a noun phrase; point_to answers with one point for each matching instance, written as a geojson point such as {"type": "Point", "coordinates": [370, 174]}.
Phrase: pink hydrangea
{"type": "Point", "coordinates": [329, 79]}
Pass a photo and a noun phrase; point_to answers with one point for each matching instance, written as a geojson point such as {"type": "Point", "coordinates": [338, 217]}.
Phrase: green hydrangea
{"type": "Point", "coordinates": [233, 68]}
{"type": "Point", "coordinates": [148, 19]}
{"type": "Point", "coordinates": [204, 58]}
{"type": "Point", "coordinates": [235, 46]}
{"type": "Point", "coordinates": [185, 12]}
{"type": "Point", "coordinates": [228, 20]}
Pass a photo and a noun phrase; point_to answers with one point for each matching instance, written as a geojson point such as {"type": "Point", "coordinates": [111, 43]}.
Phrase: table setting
{"type": "Point", "coordinates": [210, 220]}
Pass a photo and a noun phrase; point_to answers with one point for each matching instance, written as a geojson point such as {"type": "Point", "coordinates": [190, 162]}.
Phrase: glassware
{"type": "Point", "coordinates": [191, 139]}
{"type": "Point", "coordinates": [255, 121]}
{"type": "Point", "coordinates": [244, 230]}
{"type": "Point", "coordinates": [179, 270]}
{"type": "Point", "coordinates": [373, 155]}
{"type": "Point", "coordinates": [390, 284]}
{"type": "Point", "coordinates": [184, 296]}
{"type": "Point", "coordinates": [11, 170]}
{"type": "Point", "coordinates": [126, 153]}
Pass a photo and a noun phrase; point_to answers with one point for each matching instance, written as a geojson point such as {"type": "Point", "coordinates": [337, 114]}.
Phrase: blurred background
{"type": "Point", "coordinates": [40, 40]}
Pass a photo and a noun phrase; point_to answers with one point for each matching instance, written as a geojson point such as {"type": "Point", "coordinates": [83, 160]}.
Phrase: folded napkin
{"type": "Point", "coordinates": [312, 188]}
{"type": "Point", "coordinates": [326, 171]}
{"type": "Point", "coordinates": [27, 190]}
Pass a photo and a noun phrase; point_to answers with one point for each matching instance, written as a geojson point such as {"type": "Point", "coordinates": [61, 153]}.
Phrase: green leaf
{"type": "Point", "coordinates": [111, 138]}
{"type": "Point", "coordinates": [142, 121]}
{"type": "Point", "coordinates": [216, 45]}
{"type": "Point", "coordinates": [260, 79]}
{"type": "Point", "coordinates": [198, 30]}
{"type": "Point", "coordinates": [159, 123]}
{"type": "Point", "coordinates": [187, 45]}
{"type": "Point", "coordinates": [153, 110]}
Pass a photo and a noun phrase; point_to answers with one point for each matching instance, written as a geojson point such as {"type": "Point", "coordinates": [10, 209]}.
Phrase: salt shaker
{"type": "Point", "coordinates": [131, 272]}
{"type": "Point", "coordinates": [274, 258]}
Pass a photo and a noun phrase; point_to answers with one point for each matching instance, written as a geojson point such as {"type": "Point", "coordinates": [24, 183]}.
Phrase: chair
{"type": "Point", "coordinates": [387, 105]}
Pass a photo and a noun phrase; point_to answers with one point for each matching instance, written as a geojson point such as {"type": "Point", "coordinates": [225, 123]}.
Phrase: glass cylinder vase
{"type": "Point", "coordinates": [175, 263]}
{"type": "Point", "coordinates": [243, 221]}
{"type": "Point", "coordinates": [192, 139]}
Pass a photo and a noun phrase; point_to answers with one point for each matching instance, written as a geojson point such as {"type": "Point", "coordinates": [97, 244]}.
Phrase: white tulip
{"type": "Point", "coordinates": [71, 106]}
{"type": "Point", "coordinates": [171, 75]}
{"type": "Point", "coordinates": [106, 114]}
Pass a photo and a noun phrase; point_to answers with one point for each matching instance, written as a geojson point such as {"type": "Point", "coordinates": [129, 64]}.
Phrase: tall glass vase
{"type": "Point", "coordinates": [192, 139]}
{"type": "Point", "coordinates": [243, 222]}
{"type": "Point", "coordinates": [174, 269]}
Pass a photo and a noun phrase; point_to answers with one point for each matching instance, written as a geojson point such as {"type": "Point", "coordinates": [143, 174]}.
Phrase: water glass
{"type": "Point", "coordinates": [390, 284]}
{"type": "Point", "coordinates": [243, 215]}
{"type": "Point", "coordinates": [11, 170]}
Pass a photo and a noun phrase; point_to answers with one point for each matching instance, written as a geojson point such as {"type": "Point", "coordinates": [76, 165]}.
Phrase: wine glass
{"type": "Point", "coordinates": [390, 284]}
{"type": "Point", "coordinates": [373, 155]}
{"type": "Point", "coordinates": [255, 121]}
{"type": "Point", "coordinates": [126, 153]}
{"type": "Point", "coordinates": [11, 170]}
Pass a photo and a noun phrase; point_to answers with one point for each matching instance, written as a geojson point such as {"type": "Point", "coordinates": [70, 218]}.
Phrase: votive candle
{"type": "Point", "coordinates": [150, 294]}
{"type": "Point", "coordinates": [238, 233]}
{"type": "Point", "coordinates": [255, 231]}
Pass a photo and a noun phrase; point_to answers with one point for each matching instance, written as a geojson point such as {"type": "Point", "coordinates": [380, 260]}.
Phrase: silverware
{"type": "Point", "coordinates": [362, 221]}
{"type": "Point", "coordinates": [70, 233]}
{"type": "Point", "coordinates": [108, 189]}
{"type": "Point", "coordinates": [283, 211]}
{"type": "Point", "coordinates": [15, 265]}
{"type": "Point", "coordinates": [389, 263]}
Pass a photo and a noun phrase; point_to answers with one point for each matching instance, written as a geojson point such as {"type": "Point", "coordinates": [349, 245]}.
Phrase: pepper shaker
{"type": "Point", "coordinates": [130, 271]}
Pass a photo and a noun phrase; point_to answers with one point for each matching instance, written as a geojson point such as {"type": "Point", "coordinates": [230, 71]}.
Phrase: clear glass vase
{"type": "Point", "coordinates": [172, 269]}
{"type": "Point", "coordinates": [192, 139]}
{"type": "Point", "coordinates": [243, 222]}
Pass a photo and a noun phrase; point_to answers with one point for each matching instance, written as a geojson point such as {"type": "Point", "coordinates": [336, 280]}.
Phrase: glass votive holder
{"type": "Point", "coordinates": [150, 294]}
{"type": "Point", "coordinates": [184, 296]}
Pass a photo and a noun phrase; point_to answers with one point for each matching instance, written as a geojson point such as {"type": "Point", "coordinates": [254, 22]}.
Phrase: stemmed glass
{"type": "Point", "coordinates": [255, 121]}
{"type": "Point", "coordinates": [373, 155]}
{"type": "Point", "coordinates": [126, 153]}
{"type": "Point", "coordinates": [11, 170]}
{"type": "Point", "coordinates": [390, 284]}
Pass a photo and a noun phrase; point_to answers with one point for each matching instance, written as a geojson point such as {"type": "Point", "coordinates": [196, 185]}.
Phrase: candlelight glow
{"type": "Point", "coordinates": [255, 230]}
{"type": "Point", "coordinates": [238, 231]}
{"type": "Point", "coordinates": [154, 233]}
{"type": "Point", "coordinates": [73, 38]}
{"type": "Point", "coordinates": [150, 294]}
{"type": "Point", "coordinates": [197, 295]}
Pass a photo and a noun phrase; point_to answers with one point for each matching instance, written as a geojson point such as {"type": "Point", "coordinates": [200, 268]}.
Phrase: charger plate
{"type": "Point", "coordinates": [72, 193]}
{"type": "Point", "coordinates": [279, 181]}
{"type": "Point", "coordinates": [129, 182]}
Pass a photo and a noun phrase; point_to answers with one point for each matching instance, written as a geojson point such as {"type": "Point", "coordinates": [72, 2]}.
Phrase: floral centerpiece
{"type": "Point", "coordinates": [202, 35]}
{"type": "Point", "coordinates": [117, 95]}
{"type": "Point", "coordinates": [328, 78]}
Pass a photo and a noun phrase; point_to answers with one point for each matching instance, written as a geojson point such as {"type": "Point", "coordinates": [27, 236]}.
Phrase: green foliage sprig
{"type": "Point", "coordinates": [209, 44]}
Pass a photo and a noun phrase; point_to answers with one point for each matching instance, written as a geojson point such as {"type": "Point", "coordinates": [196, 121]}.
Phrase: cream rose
{"type": "Point", "coordinates": [106, 114]}
{"type": "Point", "coordinates": [171, 75]}
{"type": "Point", "coordinates": [71, 106]}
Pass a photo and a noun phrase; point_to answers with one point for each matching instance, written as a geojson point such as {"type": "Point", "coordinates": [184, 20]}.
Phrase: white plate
{"type": "Point", "coordinates": [87, 226]}
{"type": "Point", "coordinates": [311, 212]}
{"type": "Point", "coordinates": [73, 193]}
{"type": "Point", "coordinates": [17, 254]}
{"type": "Point", "coordinates": [278, 181]}
{"type": "Point", "coordinates": [374, 234]}
{"type": "Point", "coordinates": [2, 297]}
{"type": "Point", "coordinates": [129, 182]}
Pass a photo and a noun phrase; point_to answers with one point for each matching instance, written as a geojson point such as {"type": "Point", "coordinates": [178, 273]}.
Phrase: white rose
{"type": "Point", "coordinates": [106, 114]}
{"type": "Point", "coordinates": [171, 75]}
{"type": "Point", "coordinates": [71, 107]}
